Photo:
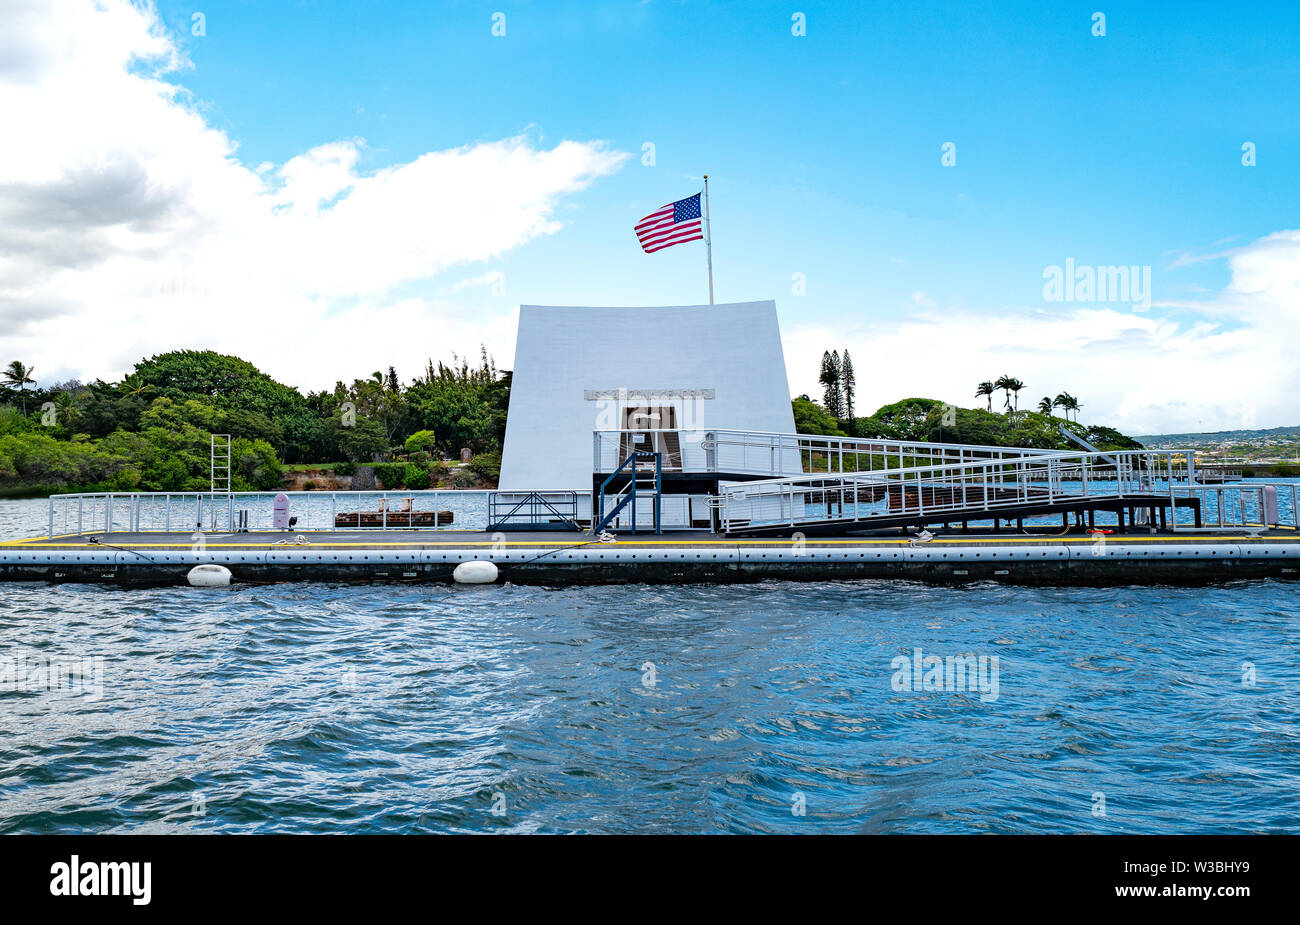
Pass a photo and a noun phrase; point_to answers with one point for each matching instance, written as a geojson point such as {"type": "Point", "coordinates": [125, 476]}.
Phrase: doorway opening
{"type": "Point", "coordinates": [652, 429]}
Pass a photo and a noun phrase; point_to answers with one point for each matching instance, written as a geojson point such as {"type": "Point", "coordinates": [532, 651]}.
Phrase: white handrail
{"type": "Point", "coordinates": [741, 452]}
{"type": "Point", "coordinates": [935, 489]}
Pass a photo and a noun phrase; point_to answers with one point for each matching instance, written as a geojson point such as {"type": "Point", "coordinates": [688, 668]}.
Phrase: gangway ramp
{"type": "Point", "coordinates": [1038, 485]}
{"type": "Point", "coordinates": [743, 454]}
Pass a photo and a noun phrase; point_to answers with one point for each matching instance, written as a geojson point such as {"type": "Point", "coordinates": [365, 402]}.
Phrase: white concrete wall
{"type": "Point", "coordinates": [562, 352]}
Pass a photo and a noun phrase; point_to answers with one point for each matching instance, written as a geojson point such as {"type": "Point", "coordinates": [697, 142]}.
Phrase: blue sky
{"type": "Point", "coordinates": [824, 152]}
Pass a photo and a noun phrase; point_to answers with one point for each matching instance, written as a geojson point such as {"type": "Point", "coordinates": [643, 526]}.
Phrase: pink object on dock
{"type": "Point", "coordinates": [280, 518]}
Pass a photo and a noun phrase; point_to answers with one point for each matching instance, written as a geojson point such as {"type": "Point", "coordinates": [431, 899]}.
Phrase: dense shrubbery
{"type": "Point", "coordinates": [152, 430]}
{"type": "Point", "coordinates": [156, 459]}
{"type": "Point", "coordinates": [812, 418]}
{"type": "Point", "coordinates": [396, 475]}
{"type": "Point", "coordinates": [487, 466]}
{"type": "Point", "coordinates": [937, 422]}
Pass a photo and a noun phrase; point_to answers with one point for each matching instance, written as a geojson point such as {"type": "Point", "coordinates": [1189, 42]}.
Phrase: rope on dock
{"type": "Point", "coordinates": [96, 541]}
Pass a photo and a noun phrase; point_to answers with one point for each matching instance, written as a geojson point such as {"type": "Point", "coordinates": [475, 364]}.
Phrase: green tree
{"type": "Point", "coordinates": [812, 418]}
{"type": "Point", "coordinates": [20, 375]}
{"type": "Point", "coordinates": [850, 384]}
{"type": "Point", "coordinates": [1003, 383]}
{"type": "Point", "coordinates": [228, 384]}
{"type": "Point", "coordinates": [909, 419]}
{"type": "Point", "coordinates": [1014, 386]}
{"type": "Point", "coordinates": [422, 441]}
{"type": "Point", "coordinates": [361, 441]}
{"type": "Point", "coordinates": [832, 381]}
{"type": "Point", "coordinates": [986, 390]}
{"type": "Point", "coordinates": [1067, 403]}
{"type": "Point", "coordinates": [462, 406]}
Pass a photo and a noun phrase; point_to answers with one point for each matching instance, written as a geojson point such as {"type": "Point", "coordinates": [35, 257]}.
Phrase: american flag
{"type": "Point", "coordinates": [676, 223]}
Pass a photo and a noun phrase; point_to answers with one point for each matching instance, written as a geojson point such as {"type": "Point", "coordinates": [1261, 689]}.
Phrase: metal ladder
{"type": "Point", "coordinates": [220, 455]}
{"type": "Point", "coordinates": [640, 481]}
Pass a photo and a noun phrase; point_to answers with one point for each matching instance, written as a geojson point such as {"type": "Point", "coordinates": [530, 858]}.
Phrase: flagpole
{"type": "Point", "coordinates": [708, 236]}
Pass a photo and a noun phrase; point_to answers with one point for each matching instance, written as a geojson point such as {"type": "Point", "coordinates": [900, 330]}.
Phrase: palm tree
{"type": "Point", "coordinates": [1015, 385]}
{"type": "Point", "coordinates": [18, 374]}
{"type": "Point", "coordinates": [1000, 383]}
{"type": "Point", "coordinates": [985, 390]}
{"type": "Point", "coordinates": [1004, 383]}
{"type": "Point", "coordinates": [135, 387]}
{"type": "Point", "coordinates": [69, 408]}
{"type": "Point", "coordinates": [1067, 403]}
{"type": "Point", "coordinates": [1045, 406]}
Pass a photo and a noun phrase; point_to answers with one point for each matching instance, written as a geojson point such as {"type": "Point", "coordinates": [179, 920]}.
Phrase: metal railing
{"type": "Point", "coordinates": [1248, 504]}
{"type": "Point", "coordinates": [535, 510]}
{"type": "Point", "coordinates": [760, 453]}
{"type": "Point", "coordinates": [962, 489]}
{"type": "Point", "coordinates": [171, 512]}
{"type": "Point", "coordinates": [987, 486]}
{"type": "Point", "coordinates": [84, 513]}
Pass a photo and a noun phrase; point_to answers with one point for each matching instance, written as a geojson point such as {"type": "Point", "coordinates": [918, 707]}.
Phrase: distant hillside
{"type": "Point", "coordinates": [1217, 437]}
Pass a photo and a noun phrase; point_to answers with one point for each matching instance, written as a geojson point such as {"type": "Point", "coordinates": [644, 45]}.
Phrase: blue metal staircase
{"type": "Point", "coordinates": [639, 482]}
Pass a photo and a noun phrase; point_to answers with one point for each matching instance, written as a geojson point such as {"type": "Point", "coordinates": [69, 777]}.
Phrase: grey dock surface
{"type": "Point", "coordinates": [554, 558]}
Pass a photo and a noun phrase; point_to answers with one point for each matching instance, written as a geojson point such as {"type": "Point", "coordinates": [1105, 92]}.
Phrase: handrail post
{"type": "Point", "coordinates": [1173, 503]}
{"type": "Point", "coordinates": [659, 510]}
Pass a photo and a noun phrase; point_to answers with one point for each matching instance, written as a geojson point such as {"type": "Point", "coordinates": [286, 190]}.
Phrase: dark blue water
{"type": "Point", "coordinates": [320, 708]}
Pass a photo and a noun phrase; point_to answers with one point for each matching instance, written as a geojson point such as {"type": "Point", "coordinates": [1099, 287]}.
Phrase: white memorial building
{"type": "Point", "coordinates": [663, 380]}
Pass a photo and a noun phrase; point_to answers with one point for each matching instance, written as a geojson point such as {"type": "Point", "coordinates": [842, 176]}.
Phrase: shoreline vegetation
{"type": "Point", "coordinates": [931, 420]}
{"type": "Point", "coordinates": [151, 431]}
{"type": "Point", "coordinates": [928, 419]}
{"type": "Point", "coordinates": [444, 428]}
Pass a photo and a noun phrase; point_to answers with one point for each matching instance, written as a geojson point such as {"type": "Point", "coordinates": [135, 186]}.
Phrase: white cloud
{"type": "Point", "coordinates": [1219, 364]}
{"type": "Point", "coordinates": [129, 226]}
{"type": "Point", "coordinates": [483, 280]}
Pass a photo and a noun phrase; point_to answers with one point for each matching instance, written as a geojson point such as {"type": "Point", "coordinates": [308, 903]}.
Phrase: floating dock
{"type": "Point", "coordinates": [548, 558]}
{"type": "Point", "coordinates": [710, 506]}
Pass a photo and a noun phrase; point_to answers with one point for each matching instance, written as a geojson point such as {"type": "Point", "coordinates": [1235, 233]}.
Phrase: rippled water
{"type": "Point", "coordinates": [322, 708]}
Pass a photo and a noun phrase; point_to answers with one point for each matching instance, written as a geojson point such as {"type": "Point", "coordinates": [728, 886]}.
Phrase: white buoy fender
{"type": "Point", "coordinates": [209, 576]}
{"type": "Point", "coordinates": [475, 573]}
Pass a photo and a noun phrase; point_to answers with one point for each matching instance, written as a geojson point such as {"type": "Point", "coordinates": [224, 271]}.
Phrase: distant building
{"type": "Point", "coordinates": [682, 368]}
